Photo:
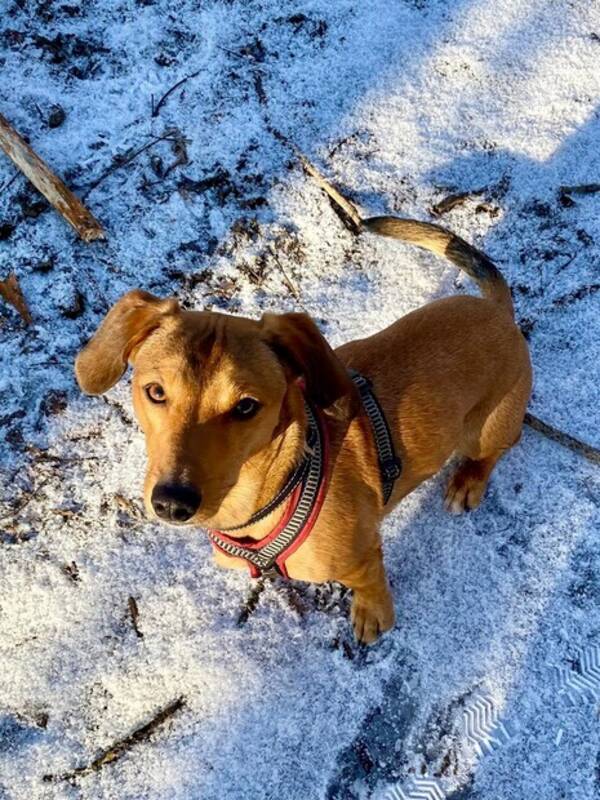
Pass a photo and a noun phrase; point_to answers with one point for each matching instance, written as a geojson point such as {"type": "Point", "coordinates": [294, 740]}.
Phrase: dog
{"type": "Point", "coordinates": [222, 401]}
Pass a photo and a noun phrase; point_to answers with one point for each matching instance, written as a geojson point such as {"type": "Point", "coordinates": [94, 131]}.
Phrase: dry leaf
{"type": "Point", "coordinates": [11, 292]}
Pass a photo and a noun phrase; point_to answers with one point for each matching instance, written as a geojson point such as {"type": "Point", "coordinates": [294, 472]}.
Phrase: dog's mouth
{"type": "Point", "coordinates": [154, 517]}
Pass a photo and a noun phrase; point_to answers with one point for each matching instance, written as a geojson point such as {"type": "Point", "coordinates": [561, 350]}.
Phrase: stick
{"type": "Point", "coordinates": [12, 514]}
{"type": "Point", "coordinates": [237, 55]}
{"type": "Point", "coordinates": [585, 188]}
{"type": "Point", "coordinates": [448, 203]}
{"type": "Point", "coordinates": [286, 278]}
{"type": "Point", "coordinates": [9, 182]}
{"type": "Point", "coordinates": [123, 745]}
{"type": "Point", "coordinates": [347, 207]}
{"type": "Point", "coordinates": [288, 281]}
{"type": "Point", "coordinates": [156, 108]}
{"type": "Point", "coordinates": [340, 203]}
{"type": "Point", "coordinates": [251, 602]}
{"type": "Point", "coordinates": [46, 182]}
{"type": "Point", "coordinates": [556, 435]}
{"type": "Point", "coordinates": [134, 612]}
{"type": "Point", "coordinates": [127, 159]}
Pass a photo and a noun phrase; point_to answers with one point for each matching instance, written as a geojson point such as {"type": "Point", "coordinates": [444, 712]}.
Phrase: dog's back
{"type": "Point", "coordinates": [454, 375]}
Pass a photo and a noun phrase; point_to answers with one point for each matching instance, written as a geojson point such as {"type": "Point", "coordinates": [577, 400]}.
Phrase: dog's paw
{"type": "Point", "coordinates": [371, 620]}
{"type": "Point", "coordinates": [465, 490]}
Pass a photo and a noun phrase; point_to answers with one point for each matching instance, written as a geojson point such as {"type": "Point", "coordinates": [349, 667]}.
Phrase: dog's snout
{"type": "Point", "coordinates": [175, 502]}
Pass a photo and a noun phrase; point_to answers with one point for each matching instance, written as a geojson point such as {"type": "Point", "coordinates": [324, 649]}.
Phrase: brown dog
{"type": "Point", "coordinates": [222, 409]}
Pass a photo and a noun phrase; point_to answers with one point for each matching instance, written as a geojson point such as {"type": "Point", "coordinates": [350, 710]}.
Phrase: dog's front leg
{"type": "Point", "coordinates": [372, 611]}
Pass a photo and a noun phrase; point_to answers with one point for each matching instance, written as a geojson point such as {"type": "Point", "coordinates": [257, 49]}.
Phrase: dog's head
{"type": "Point", "coordinates": [214, 394]}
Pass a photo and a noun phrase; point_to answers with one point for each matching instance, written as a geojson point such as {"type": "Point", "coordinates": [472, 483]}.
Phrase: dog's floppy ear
{"type": "Point", "coordinates": [298, 343]}
{"type": "Point", "coordinates": [104, 359]}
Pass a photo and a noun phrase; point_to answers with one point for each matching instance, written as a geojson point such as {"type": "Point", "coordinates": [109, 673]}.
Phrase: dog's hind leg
{"type": "Point", "coordinates": [485, 442]}
{"type": "Point", "coordinates": [468, 484]}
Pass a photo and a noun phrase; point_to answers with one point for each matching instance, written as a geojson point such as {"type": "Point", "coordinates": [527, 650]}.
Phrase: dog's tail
{"type": "Point", "coordinates": [437, 239]}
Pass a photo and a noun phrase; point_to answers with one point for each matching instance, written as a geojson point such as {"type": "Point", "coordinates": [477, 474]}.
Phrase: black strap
{"type": "Point", "coordinates": [297, 474]}
{"type": "Point", "coordinates": [288, 487]}
{"type": "Point", "coordinates": [390, 466]}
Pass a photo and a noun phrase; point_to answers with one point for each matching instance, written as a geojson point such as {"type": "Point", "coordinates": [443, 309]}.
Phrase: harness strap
{"type": "Point", "coordinates": [267, 556]}
{"type": "Point", "coordinates": [390, 466]}
{"type": "Point", "coordinates": [305, 491]}
{"type": "Point", "coordinates": [288, 487]}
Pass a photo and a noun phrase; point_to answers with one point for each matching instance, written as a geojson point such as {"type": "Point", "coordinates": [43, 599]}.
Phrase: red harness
{"type": "Point", "coordinates": [252, 550]}
{"type": "Point", "coordinates": [306, 488]}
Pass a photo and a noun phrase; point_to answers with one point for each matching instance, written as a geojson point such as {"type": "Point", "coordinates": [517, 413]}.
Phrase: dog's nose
{"type": "Point", "coordinates": [175, 502]}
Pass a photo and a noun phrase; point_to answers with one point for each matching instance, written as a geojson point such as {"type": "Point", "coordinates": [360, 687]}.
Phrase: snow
{"type": "Point", "coordinates": [400, 104]}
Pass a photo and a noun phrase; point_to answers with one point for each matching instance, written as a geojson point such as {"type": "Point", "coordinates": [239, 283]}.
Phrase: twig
{"type": "Point", "coordinates": [567, 263]}
{"type": "Point", "coordinates": [24, 503]}
{"type": "Point", "coordinates": [286, 278]}
{"type": "Point", "coordinates": [9, 182]}
{"type": "Point", "coordinates": [50, 458]}
{"type": "Point", "coordinates": [241, 56]}
{"type": "Point", "coordinates": [448, 203]}
{"type": "Point", "coordinates": [251, 602]}
{"type": "Point", "coordinates": [46, 182]}
{"type": "Point", "coordinates": [576, 445]}
{"type": "Point", "coordinates": [341, 143]}
{"type": "Point", "coordinates": [126, 161]}
{"type": "Point", "coordinates": [127, 506]}
{"type": "Point", "coordinates": [125, 418]}
{"type": "Point", "coordinates": [577, 294]}
{"type": "Point", "coordinates": [347, 206]}
{"type": "Point", "coordinates": [585, 188]}
{"type": "Point", "coordinates": [134, 612]}
{"type": "Point", "coordinates": [346, 209]}
{"type": "Point", "coordinates": [115, 752]}
{"type": "Point", "coordinates": [156, 108]}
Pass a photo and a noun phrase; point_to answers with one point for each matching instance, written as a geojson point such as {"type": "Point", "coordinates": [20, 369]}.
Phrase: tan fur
{"type": "Point", "coordinates": [453, 376]}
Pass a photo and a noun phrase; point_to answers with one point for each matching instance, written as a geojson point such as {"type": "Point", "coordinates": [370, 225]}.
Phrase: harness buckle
{"type": "Point", "coordinates": [391, 469]}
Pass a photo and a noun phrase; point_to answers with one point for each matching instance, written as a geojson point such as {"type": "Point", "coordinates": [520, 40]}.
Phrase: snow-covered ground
{"type": "Point", "coordinates": [401, 103]}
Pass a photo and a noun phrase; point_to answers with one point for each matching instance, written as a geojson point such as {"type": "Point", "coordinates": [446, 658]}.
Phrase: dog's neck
{"type": "Point", "coordinates": [263, 475]}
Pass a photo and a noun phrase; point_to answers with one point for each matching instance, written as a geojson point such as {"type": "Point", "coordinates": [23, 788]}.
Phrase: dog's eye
{"type": "Point", "coordinates": [155, 393]}
{"type": "Point", "coordinates": [246, 408]}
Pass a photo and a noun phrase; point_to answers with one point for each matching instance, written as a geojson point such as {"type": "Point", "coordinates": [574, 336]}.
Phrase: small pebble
{"type": "Point", "coordinates": [56, 117]}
